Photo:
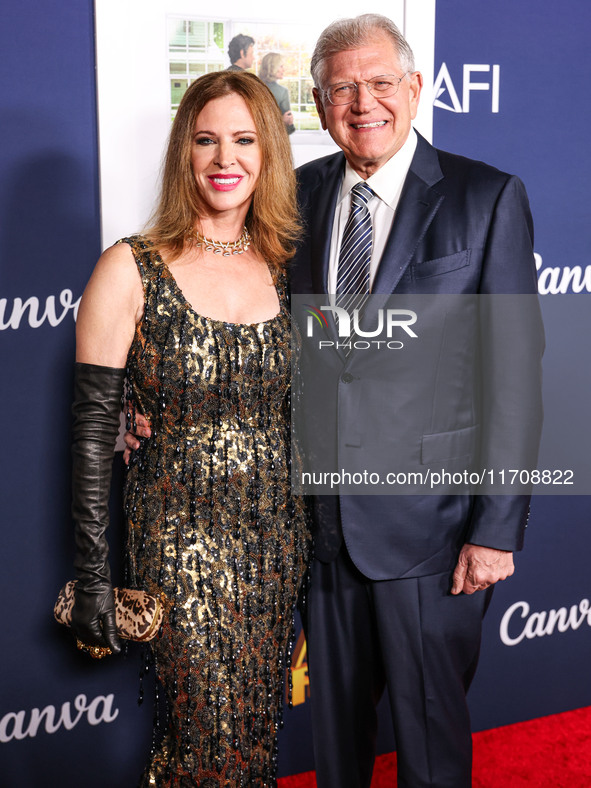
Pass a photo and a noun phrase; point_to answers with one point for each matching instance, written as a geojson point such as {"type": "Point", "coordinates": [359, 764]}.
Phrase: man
{"type": "Point", "coordinates": [400, 584]}
{"type": "Point", "coordinates": [241, 52]}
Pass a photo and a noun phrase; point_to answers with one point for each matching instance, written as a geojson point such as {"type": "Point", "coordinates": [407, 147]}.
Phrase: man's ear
{"type": "Point", "coordinates": [319, 107]}
{"type": "Point", "coordinates": [414, 92]}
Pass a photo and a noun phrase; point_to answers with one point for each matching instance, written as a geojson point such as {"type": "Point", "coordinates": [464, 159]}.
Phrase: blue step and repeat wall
{"type": "Point", "coordinates": [512, 83]}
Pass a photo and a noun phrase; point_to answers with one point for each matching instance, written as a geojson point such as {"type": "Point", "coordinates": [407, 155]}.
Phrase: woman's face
{"type": "Point", "coordinates": [226, 155]}
{"type": "Point", "coordinates": [280, 71]}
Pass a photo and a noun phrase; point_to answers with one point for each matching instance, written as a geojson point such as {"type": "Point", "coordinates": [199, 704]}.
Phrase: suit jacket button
{"type": "Point", "coordinates": [347, 377]}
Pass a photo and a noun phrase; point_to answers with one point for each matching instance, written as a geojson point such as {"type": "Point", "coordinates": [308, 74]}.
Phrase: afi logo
{"type": "Point", "coordinates": [392, 318]}
{"type": "Point", "coordinates": [488, 79]}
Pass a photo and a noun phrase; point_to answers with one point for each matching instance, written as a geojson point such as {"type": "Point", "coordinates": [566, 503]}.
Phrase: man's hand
{"type": "Point", "coordinates": [142, 430]}
{"type": "Point", "coordinates": [479, 567]}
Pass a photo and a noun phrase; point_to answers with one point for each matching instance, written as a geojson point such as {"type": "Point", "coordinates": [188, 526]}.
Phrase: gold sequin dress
{"type": "Point", "coordinates": [213, 525]}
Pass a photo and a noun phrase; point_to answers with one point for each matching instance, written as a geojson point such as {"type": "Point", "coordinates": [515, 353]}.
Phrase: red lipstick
{"type": "Point", "coordinates": [226, 182]}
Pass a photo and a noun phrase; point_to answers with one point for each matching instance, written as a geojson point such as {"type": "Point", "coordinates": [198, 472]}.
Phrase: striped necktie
{"type": "Point", "coordinates": [355, 253]}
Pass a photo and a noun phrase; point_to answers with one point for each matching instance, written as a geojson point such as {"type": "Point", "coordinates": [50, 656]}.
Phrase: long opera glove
{"type": "Point", "coordinates": [96, 409]}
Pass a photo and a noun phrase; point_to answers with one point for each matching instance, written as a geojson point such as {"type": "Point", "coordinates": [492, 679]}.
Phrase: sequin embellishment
{"type": "Point", "coordinates": [213, 525]}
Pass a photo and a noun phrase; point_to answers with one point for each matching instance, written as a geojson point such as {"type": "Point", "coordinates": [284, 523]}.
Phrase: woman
{"type": "Point", "coordinates": [272, 70]}
{"type": "Point", "coordinates": [194, 314]}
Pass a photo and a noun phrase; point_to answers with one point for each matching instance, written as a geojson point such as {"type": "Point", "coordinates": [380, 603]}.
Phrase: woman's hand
{"type": "Point", "coordinates": [141, 430]}
{"type": "Point", "coordinates": [93, 617]}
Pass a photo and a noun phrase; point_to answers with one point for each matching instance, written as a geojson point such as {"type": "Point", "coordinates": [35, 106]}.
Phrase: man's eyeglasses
{"type": "Point", "coordinates": [379, 87]}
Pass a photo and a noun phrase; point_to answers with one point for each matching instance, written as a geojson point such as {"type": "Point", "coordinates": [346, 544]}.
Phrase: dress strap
{"type": "Point", "coordinates": [145, 255]}
{"type": "Point", "coordinates": [282, 287]}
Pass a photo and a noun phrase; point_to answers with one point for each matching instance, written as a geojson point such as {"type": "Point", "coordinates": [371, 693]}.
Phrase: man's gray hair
{"type": "Point", "coordinates": [354, 33]}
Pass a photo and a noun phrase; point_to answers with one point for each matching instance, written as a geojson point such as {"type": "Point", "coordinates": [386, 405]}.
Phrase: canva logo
{"type": "Point", "coordinates": [489, 80]}
{"type": "Point", "coordinates": [559, 279]}
{"type": "Point", "coordinates": [518, 623]}
{"type": "Point", "coordinates": [31, 311]}
{"type": "Point", "coordinates": [20, 725]}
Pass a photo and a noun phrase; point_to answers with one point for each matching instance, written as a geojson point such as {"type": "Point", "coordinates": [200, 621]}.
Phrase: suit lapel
{"type": "Point", "coordinates": [419, 202]}
{"type": "Point", "coordinates": [320, 222]}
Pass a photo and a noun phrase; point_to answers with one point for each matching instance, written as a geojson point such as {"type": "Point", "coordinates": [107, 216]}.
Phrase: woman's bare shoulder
{"type": "Point", "coordinates": [111, 306]}
{"type": "Point", "coordinates": [118, 259]}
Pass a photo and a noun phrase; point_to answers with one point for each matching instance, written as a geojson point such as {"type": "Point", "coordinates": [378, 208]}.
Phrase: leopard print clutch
{"type": "Point", "coordinates": [138, 614]}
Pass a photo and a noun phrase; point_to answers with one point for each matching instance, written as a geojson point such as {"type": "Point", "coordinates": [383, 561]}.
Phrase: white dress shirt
{"type": "Point", "coordinates": [387, 185]}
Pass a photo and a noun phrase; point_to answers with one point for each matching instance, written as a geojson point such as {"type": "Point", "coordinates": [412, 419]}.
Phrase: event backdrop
{"type": "Point", "coordinates": [510, 85]}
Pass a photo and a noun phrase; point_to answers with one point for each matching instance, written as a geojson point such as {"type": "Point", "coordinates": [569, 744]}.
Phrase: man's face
{"type": "Point", "coordinates": [370, 130]}
{"type": "Point", "coordinates": [247, 56]}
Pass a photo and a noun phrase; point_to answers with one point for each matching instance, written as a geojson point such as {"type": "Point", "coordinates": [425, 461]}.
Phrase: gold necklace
{"type": "Point", "coordinates": [225, 248]}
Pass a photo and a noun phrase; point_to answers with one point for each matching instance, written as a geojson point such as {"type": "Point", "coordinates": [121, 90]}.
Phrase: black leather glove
{"type": "Point", "coordinates": [96, 409]}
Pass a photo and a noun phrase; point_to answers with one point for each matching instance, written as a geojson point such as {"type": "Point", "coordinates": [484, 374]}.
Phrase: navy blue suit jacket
{"type": "Point", "coordinates": [461, 226]}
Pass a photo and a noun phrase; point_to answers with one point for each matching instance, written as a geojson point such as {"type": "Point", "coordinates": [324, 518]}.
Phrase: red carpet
{"type": "Point", "coordinates": [548, 752]}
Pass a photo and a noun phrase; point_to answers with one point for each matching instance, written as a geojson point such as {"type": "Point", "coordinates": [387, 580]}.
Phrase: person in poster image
{"type": "Point", "coordinates": [272, 70]}
{"type": "Point", "coordinates": [241, 53]}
